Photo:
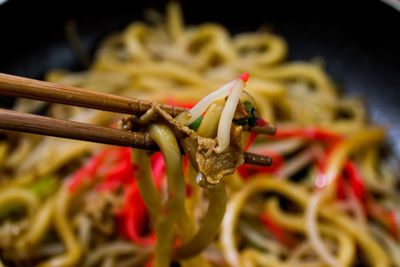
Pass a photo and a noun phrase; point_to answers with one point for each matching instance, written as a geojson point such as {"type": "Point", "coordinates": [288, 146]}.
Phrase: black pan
{"type": "Point", "coordinates": [360, 43]}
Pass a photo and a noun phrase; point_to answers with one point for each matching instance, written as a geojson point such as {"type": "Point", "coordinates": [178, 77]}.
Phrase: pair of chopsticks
{"type": "Point", "coordinates": [16, 86]}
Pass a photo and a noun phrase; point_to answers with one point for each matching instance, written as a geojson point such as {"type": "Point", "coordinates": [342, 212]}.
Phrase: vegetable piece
{"type": "Point", "coordinates": [387, 218]}
{"type": "Point", "coordinates": [203, 104]}
{"type": "Point", "coordinates": [133, 216]}
{"type": "Point", "coordinates": [244, 77]}
{"type": "Point", "coordinates": [277, 231]}
{"type": "Point", "coordinates": [196, 124]}
{"type": "Point", "coordinates": [86, 173]}
{"type": "Point", "coordinates": [251, 119]}
{"type": "Point", "coordinates": [44, 187]}
{"type": "Point", "coordinates": [225, 122]}
{"type": "Point", "coordinates": [150, 263]}
{"type": "Point", "coordinates": [356, 183]}
{"type": "Point", "coordinates": [252, 137]}
{"type": "Point", "coordinates": [113, 167]}
{"type": "Point", "coordinates": [313, 133]}
{"type": "Point", "coordinates": [222, 92]}
{"type": "Point", "coordinates": [184, 104]}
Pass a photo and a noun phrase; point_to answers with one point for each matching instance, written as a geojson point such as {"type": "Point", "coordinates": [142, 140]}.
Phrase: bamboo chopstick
{"type": "Point", "coordinates": [16, 86]}
{"type": "Point", "coordinates": [28, 123]}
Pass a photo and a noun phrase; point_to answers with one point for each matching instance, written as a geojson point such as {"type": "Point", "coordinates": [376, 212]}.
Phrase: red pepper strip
{"type": "Point", "coordinates": [116, 169]}
{"type": "Point", "coordinates": [189, 190]}
{"type": "Point", "coordinates": [355, 180]}
{"type": "Point", "coordinates": [358, 187]}
{"type": "Point", "coordinates": [351, 177]}
{"type": "Point", "coordinates": [341, 188]}
{"type": "Point", "coordinates": [120, 174]}
{"type": "Point", "coordinates": [114, 164]}
{"type": "Point", "coordinates": [386, 217]}
{"type": "Point", "coordinates": [350, 173]}
{"type": "Point", "coordinates": [350, 181]}
{"type": "Point", "coordinates": [322, 162]}
{"type": "Point", "coordinates": [247, 170]}
{"type": "Point", "coordinates": [244, 76]}
{"type": "Point", "coordinates": [261, 122]}
{"type": "Point", "coordinates": [157, 168]}
{"type": "Point", "coordinates": [185, 104]}
{"type": "Point", "coordinates": [252, 137]}
{"type": "Point", "coordinates": [393, 225]}
{"type": "Point", "coordinates": [133, 217]}
{"type": "Point", "coordinates": [307, 133]}
{"type": "Point", "coordinates": [278, 232]}
{"type": "Point", "coordinates": [185, 165]}
{"type": "Point", "coordinates": [150, 262]}
{"type": "Point", "coordinates": [374, 210]}
{"type": "Point", "coordinates": [87, 172]}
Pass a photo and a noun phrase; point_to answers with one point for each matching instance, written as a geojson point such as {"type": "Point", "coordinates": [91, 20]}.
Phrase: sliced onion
{"type": "Point", "coordinates": [313, 234]}
{"type": "Point", "coordinates": [295, 164]}
{"type": "Point", "coordinates": [200, 107]}
{"type": "Point", "coordinates": [283, 146]}
{"type": "Point", "coordinates": [260, 240]}
{"type": "Point", "coordinates": [225, 122]}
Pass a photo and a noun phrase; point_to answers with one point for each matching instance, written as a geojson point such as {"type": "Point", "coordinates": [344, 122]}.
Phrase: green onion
{"type": "Point", "coordinates": [249, 120]}
{"type": "Point", "coordinates": [44, 187]}
{"type": "Point", "coordinates": [196, 124]}
{"type": "Point", "coordinates": [242, 121]}
{"type": "Point", "coordinates": [248, 106]}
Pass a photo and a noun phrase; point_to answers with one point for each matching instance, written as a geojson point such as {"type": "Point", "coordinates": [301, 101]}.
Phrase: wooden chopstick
{"type": "Point", "coordinates": [28, 123]}
{"type": "Point", "coordinates": [16, 86]}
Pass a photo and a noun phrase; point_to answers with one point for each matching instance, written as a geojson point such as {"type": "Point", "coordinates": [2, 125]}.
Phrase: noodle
{"type": "Point", "coordinates": [329, 198]}
{"type": "Point", "coordinates": [174, 206]}
{"type": "Point", "coordinates": [346, 248]}
{"type": "Point", "coordinates": [110, 250]}
{"type": "Point", "coordinates": [236, 203]}
{"type": "Point", "coordinates": [64, 229]}
{"type": "Point", "coordinates": [38, 228]}
{"type": "Point", "coordinates": [210, 225]}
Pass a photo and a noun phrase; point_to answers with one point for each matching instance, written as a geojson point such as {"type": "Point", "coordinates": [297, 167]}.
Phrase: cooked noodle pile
{"type": "Point", "coordinates": [328, 199]}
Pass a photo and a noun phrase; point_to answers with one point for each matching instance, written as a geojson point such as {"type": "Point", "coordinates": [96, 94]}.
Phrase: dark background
{"type": "Point", "coordinates": [360, 42]}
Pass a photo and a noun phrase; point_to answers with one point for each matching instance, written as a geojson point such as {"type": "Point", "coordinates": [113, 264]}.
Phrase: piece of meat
{"type": "Point", "coordinates": [203, 155]}
{"type": "Point", "coordinates": [215, 165]}
{"type": "Point", "coordinates": [211, 164]}
{"type": "Point", "coordinates": [100, 207]}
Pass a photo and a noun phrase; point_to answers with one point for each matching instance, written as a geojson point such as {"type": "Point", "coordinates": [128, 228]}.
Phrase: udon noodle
{"type": "Point", "coordinates": [328, 199]}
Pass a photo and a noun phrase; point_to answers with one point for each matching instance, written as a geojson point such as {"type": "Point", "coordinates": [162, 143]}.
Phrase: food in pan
{"type": "Point", "coordinates": [329, 199]}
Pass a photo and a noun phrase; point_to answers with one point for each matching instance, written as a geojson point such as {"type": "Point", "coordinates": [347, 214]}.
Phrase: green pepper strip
{"type": "Point", "coordinates": [196, 124]}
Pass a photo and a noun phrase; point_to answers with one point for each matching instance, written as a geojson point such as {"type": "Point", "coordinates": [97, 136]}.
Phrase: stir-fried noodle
{"type": "Point", "coordinates": [327, 200]}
